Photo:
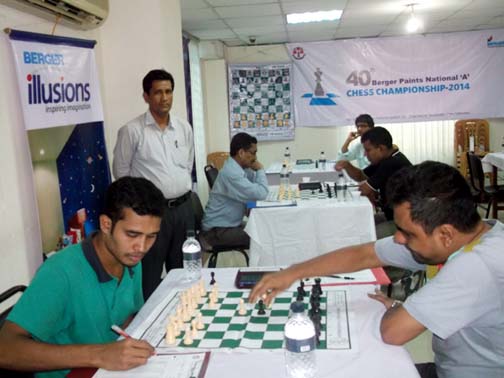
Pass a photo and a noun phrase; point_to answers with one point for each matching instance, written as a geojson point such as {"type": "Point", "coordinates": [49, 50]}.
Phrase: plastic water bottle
{"type": "Point", "coordinates": [191, 251]}
{"type": "Point", "coordinates": [300, 344]}
{"type": "Point", "coordinates": [287, 156]}
{"type": "Point", "coordinates": [284, 177]}
{"type": "Point", "coordinates": [341, 187]}
{"type": "Point", "coordinates": [322, 161]}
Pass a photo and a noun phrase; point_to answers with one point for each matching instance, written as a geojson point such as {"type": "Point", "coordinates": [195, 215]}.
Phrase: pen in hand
{"type": "Point", "coordinates": [120, 331]}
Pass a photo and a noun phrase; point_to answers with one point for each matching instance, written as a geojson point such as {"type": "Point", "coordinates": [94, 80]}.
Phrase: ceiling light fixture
{"type": "Point", "coordinates": [413, 24]}
{"type": "Point", "coordinates": [296, 18]}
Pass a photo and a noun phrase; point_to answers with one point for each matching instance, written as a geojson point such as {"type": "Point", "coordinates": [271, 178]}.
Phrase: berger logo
{"type": "Point", "coordinates": [319, 96]}
{"type": "Point", "coordinates": [56, 93]}
{"type": "Point", "coordinates": [298, 53]}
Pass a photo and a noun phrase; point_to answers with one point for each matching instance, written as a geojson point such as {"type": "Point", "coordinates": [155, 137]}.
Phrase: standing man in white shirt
{"type": "Point", "coordinates": [160, 147]}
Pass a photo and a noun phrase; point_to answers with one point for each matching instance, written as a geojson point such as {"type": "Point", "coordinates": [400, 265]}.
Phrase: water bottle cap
{"type": "Point", "coordinates": [297, 307]}
{"type": "Point", "coordinates": [284, 165]}
{"type": "Point", "coordinates": [191, 233]}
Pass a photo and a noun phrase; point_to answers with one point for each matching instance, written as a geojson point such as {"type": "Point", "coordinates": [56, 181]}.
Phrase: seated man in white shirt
{"type": "Point", "coordinates": [241, 179]}
{"type": "Point", "coordinates": [363, 123]}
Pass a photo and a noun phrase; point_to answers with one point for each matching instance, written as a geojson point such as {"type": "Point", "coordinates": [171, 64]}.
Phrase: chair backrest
{"type": "Point", "coordinates": [217, 159]}
{"type": "Point", "coordinates": [211, 174]}
{"type": "Point", "coordinates": [476, 172]}
{"type": "Point", "coordinates": [197, 210]}
{"type": "Point", "coordinates": [6, 295]}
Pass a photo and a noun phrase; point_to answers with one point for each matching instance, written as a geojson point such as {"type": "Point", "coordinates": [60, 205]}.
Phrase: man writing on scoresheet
{"type": "Point", "coordinates": [64, 318]}
{"type": "Point", "coordinates": [437, 223]}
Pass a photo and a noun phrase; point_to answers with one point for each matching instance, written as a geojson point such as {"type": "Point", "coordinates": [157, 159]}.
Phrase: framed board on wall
{"type": "Point", "coordinates": [260, 100]}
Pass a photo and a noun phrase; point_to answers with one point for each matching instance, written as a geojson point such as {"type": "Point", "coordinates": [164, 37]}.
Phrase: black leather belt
{"type": "Point", "coordinates": [177, 201]}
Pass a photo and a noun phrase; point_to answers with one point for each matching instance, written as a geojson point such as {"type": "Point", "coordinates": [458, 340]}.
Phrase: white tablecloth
{"type": "Point", "coordinates": [493, 159]}
{"type": "Point", "coordinates": [286, 235]}
{"type": "Point", "coordinates": [373, 358]}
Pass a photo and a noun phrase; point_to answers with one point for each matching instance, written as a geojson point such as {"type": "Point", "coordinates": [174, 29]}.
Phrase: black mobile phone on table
{"type": "Point", "coordinates": [247, 279]}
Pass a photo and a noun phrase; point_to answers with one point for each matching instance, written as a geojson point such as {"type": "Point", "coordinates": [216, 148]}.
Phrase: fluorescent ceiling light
{"type": "Point", "coordinates": [296, 18]}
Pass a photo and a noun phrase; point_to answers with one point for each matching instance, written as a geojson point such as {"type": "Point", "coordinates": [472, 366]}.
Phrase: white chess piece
{"type": "Point", "coordinates": [242, 310]}
{"type": "Point", "coordinates": [170, 335]}
{"type": "Point", "coordinates": [187, 337]}
{"type": "Point", "coordinates": [194, 329]}
{"type": "Point", "coordinates": [199, 323]}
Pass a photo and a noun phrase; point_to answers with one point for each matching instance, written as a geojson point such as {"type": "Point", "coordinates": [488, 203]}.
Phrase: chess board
{"type": "Point", "coordinates": [307, 194]}
{"type": "Point", "coordinates": [225, 328]}
{"type": "Point", "coordinates": [260, 100]}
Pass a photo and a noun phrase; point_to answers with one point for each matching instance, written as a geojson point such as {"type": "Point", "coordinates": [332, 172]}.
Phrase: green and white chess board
{"type": "Point", "coordinates": [225, 328]}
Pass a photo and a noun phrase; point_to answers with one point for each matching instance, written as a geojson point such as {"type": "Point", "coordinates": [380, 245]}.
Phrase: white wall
{"type": "Point", "coordinates": [21, 251]}
{"type": "Point", "coordinates": [136, 37]}
{"type": "Point", "coordinates": [309, 142]}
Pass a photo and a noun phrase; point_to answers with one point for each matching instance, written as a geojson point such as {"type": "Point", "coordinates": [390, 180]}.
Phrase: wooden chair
{"type": "Point", "coordinates": [213, 249]}
{"type": "Point", "coordinates": [488, 194]}
{"type": "Point", "coordinates": [217, 159]}
{"type": "Point", "coordinates": [465, 129]}
{"type": "Point", "coordinates": [211, 174]}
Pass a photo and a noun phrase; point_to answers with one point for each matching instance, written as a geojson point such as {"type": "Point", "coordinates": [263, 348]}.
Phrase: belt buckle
{"type": "Point", "coordinates": [171, 203]}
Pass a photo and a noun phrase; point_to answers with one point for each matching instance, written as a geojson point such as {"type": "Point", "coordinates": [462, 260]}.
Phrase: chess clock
{"type": "Point", "coordinates": [247, 279]}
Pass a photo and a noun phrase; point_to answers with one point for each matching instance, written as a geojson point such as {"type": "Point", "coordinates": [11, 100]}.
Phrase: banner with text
{"type": "Point", "coordinates": [57, 78]}
{"type": "Point", "coordinates": [399, 79]}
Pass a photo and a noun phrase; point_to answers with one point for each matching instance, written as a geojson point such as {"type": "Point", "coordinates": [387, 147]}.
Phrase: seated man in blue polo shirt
{"type": "Point", "coordinates": [241, 179]}
{"type": "Point", "coordinates": [64, 318]}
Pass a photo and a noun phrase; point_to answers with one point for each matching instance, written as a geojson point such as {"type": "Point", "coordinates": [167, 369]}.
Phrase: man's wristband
{"type": "Point", "coordinates": [396, 303]}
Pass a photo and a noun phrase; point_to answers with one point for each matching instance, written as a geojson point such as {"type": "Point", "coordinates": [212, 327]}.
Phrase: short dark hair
{"type": "Point", "coordinates": [378, 136]}
{"type": "Point", "coordinates": [136, 193]}
{"type": "Point", "coordinates": [239, 141]}
{"type": "Point", "coordinates": [365, 118]}
{"type": "Point", "coordinates": [154, 75]}
{"type": "Point", "coordinates": [437, 194]}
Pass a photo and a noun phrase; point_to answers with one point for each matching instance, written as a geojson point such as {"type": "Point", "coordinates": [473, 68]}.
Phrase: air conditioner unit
{"type": "Point", "coordinates": [81, 14]}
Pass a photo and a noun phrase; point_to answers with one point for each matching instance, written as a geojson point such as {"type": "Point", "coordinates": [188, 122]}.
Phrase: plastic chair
{"type": "Point", "coordinates": [211, 174]}
{"type": "Point", "coordinates": [213, 249]}
{"type": "Point", "coordinates": [3, 315]}
{"type": "Point", "coordinates": [489, 194]}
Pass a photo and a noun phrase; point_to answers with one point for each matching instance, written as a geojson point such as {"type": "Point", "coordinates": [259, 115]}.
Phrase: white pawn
{"type": "Point", "coordinates": [187, 337]}
{"type": "Point", "coordinates": [199, 323]}
{"type": "Point", "coordinates": [202, 291]}
{"type": "Point", "coordinates": [170, 336]}
{"type": "Point", "coordinates": [194, 329]}
{"type": "Point", "coordinates": [242, 310]}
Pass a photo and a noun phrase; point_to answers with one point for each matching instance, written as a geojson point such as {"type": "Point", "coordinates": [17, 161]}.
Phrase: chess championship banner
{"type": "Point", "coordinates": [399, 79]}
{"type": "Point", "coordinates": [260, 101]}
{"type": "Point", "coordinates": [57, 78]}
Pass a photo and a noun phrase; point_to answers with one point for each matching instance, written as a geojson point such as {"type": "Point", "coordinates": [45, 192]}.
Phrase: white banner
{"type": "Point", "coordinates": [58, 82]}
{"type": "Point", "coordinates": [399, 79]}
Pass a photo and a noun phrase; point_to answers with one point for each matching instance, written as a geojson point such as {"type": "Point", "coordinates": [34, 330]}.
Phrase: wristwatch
{"type": "Point", "coordinates": [395, 304]}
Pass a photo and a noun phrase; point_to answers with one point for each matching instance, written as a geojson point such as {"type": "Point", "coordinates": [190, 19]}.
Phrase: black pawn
{"type": "Point", "coordinates": [212, 281]}
{"type": "Point", "coordinates": [301, 284]}
{"type": "Point", "coordinates": [261, 308]}
{"type": "Point", "coordinates": [317, 284]}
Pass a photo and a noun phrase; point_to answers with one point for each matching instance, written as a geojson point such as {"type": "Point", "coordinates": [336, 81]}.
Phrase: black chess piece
{"type": "Point", "coordinates": [261, 311]}
{"type": "Point", "coordinates": [212, 281]}
{"type": "Point", "coordinates": [335, 191]}
{"type": "Point", "coordinates": [328, 188]}
{"type": "Point", "coordinates": [317, 284]}
{"type": "Point", "coordinates": [301, 284]}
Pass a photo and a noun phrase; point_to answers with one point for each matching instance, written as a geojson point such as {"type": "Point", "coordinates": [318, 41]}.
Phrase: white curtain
{"type": "Point", "coordinates": [419, 141]}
